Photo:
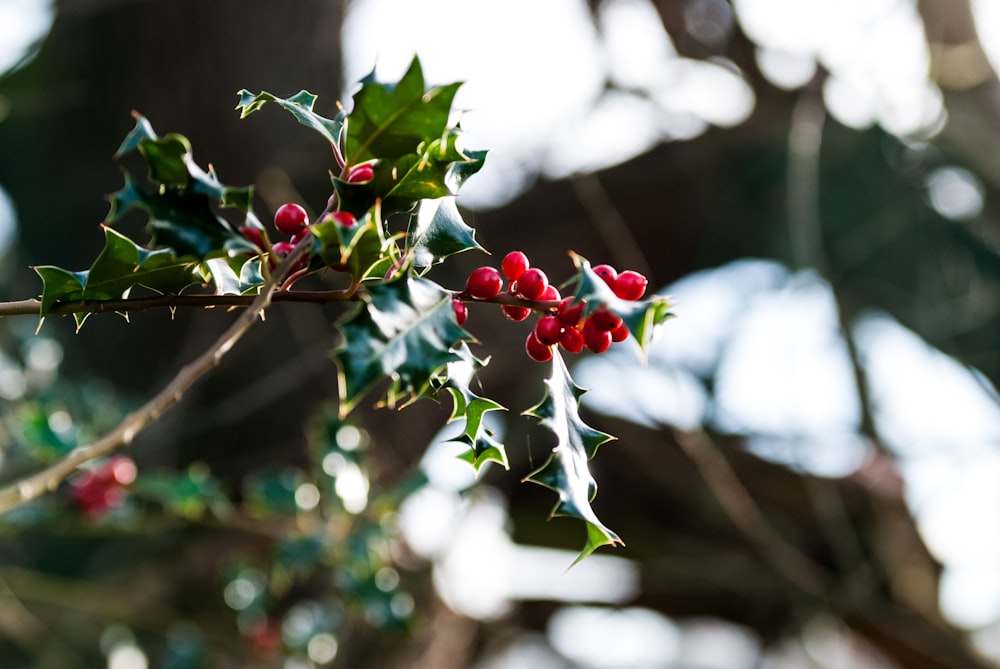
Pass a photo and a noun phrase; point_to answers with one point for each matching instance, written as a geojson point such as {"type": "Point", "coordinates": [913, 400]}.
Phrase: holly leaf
{"type": "Point", "coordinates": [362, 249]}
{"type": "Point", "coordinates": [405, 330]}
{"type": "Point", "coordinates": [566, 471]}
{"type": "Point", "coordinates": [438, 231]}
{"type": "Point", "coordinates": [481, 440]}
{"type": "Point", "coordinates": [238, 275]}
{"type": "Point", "coordinates": [181, 211]}
{"type": "Point", "coordinates": [641, 316]}
{"type": "Point", "coordinates": [390, 120]}
{"type": "Point", "coordinates": [301, 107]}
{"type": "Point", "coordinates": [121, 266]}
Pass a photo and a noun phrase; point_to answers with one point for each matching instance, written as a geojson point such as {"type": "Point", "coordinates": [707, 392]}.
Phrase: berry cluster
{"type": "Point", "coordinates": [562, 322]}
{"type": "Point", "coordinates": [96, 491]}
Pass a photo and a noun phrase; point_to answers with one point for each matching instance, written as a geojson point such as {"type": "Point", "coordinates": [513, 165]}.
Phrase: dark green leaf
{"type": "Point", "coordinates": [301, 107]}
{"type": "Point", "coordinates": [390, 121]}
{"type": "Point", "coordinates": [642, 316]}
{"type": "Point", "coordinates": [481, 440]}
{"type": "Point", "coordinates": [121, 266]}
{"type": "Point", "coordinates": [438, 231]}
{"type": "Point", "coordinates": [405, 331]}
{"type": "Point", "coordinates": [566, 471]}
{"type": "Point", "coordinates": [188, 494]}
{"type": "Point", "coordinates": [362, 249]}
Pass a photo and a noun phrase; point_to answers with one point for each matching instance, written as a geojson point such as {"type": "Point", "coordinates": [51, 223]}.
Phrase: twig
{"type": "Point", "coordinates": [33, 486]}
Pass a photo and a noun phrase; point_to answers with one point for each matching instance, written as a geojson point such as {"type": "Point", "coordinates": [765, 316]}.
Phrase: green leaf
{"type": "Point", "coordinates": [642, 316]}
{"type": "Point", "coordinates": [406, 331]}
{"type": "Point", "coordinates": [362, 249]}
{"type": "Point", "coordinates": [438, 231]}
{"type": "Point", "coordinates": [566, 471]}
{"type": "Point", "coordinates": [481, 440]}
{"type": "Point", "coordinates": [180, 211]}
{"type": "Point", "coordinates": [188, 494]}
{"type": "Point", "coordinates": [301, 107]}
{"type": "Point", "coordinates": [435, 170]}
{"type": "Point", "coordinates": [390, 121]}
{"type": "Point", "coordinates": [121, 266]}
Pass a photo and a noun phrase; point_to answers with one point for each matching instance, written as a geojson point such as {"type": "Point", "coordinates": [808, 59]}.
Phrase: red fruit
{"type": "Point", "coordinates": [122, 470]}
{"type": "Point", "coordinates": [484, 283]}
{"type": "Point", "coordinates": [290, 218]}
{"type": "Point", "coordinates": [605, 320]}
{"type": "Point", "coordinates": [514, 312]}
{"type": "Point", "coordinates": [360, 174]}
{"type": "Point", "coordinates": [536, 350]}
{"type": "Point", "coordinates": [606, 272]}
{"type": "Point", "coordinates": [571, 340]}
{"type": "Point", "coordinates": [255, 235]}
{"type": "Point", "coordinates": [594, 338]}
{"type": "Point", "coordinates": [532, 283]}
{"type": "Point", "coordinates": [282, 249]}
{"type": "Point", "coordinates": [551, 294]}
{"type": "Point", "coordinates": [514, 264]}
{"type": "Point", "coordinates": [461, 311]}
{"type": "Point", "coordinates": [620, 333]}
{"type": "Point", "coordinates": [344, 218]}
{"type": "Point", "coordinates": [570, 313]}
{"type": "Point", "coordinates": [549, 330]}
{"type": "Point", "coordinates": [629, 285]}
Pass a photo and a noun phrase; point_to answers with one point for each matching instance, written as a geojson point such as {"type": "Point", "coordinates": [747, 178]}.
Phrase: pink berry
{"type": "Point", "coordinates": [484, 283]}
{"type": "Point", "coordinates": [629, 285]}
{"type": "Point", "coordinates": [282, 249]}
{"type": "Point", "coordinates": [605, 320]}
{"type": "Point", "coordinates": [571, 340]}
{"type": "Point", "coordinates": [606, 272]}
{"type": "Point", "coordinates": [536, 350]}
{"type": "Point", "coordinates": [255, 235]}
{"type": "Point", "coordinates": [461, 311]}
{"type": "Point", "coordinates": [514, 312]}
{"type": "Point", "coordinates": [549, 330]}
{"type": "Point", "coordinates": [290, 218]}
{"type": "Point", "coordinates": [594, 338]}
{"type": "Point", "coordinates": [360, 173]}
{"type": "Point", "coordinates": [532, 283]}
{"type": "Point", "coordinates": [514, 264]}
{"type": "Point", "coordinates": [344, 219]}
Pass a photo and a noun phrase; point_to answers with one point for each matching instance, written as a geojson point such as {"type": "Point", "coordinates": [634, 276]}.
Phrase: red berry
{"type": "Point", "coordinates": [514, 264]}
{"type": "Point", "coordinates": [122, 470]}
{"type": "Point", "coordinates": [484, 283]}
{"type": "Point", "coordinates": [594, 338]}
{"type": "Point", "coordinates": [549, 330]}
{"type": "Point", "coordinates": [532, 283]}
{"type": "Point", "coordinates": [620, 333]}
{"type": "Point", "coordinates": [290, 218]}
{"type": "Point", "coordinates": [282, 249]}
{"type": "Point", "coordinates": [255, 235]}
{"type": "Point", "coordinates": [570, 313]}
{"type": "Point", "coordinates": [536, 350]}
{"type": "Point", "coordinates": [461, 311]}
{"type": "Point", "coordinates": [514, 312]}
{"type": "Point", "coordinates": [605, 320]}
{"type": "Point", "coordinates": [551, 294]}
{"type": "Point", "coordinates": [606, 272]}
{"type": "Point", "coordinates": [360, 174]}
{"type": "Point", "coordinates": [344, 219]}
{"type": "Point", "coordinates": [571, 340]}
{"type": "Point", "coordinates": [629, 285]}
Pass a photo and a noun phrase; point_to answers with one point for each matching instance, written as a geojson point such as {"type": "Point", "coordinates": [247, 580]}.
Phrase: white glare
{"type": "Point", "coordinates": [970, 597]}
{"type": "Point", "coordinates": [307, 496]}
{"type": "Point", "coordinates": [8, 218]}
{"type": "Point", "coordinates": [13, 383]}
{"type": "Point", "coordinates": [349, 437]}
{"type": "Point", "coordinates": [127, 656]}
{"type": "Point", "coordinates": [637, 45]}
{"type": "Point", "coordinates": [60, 422]}
{"type": "Point", "coordinates": [322, 648]}
{"type": "Point", "coordinates": [239, 593]}
{"type": "Point", "coordinates": [955, 193]}
{"type": "Point", "coordinates": [602, 637]}
{"type": "Point", "coordinates": [351, 485]}
{"type": "Point", "coordinates": [22, 23]}
{"type": "Point", "coordinates": [43, 355]}
{"type": "Point", "coordinates": [786, 69]}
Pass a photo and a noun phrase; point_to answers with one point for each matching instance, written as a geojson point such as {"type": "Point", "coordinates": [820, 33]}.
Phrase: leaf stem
{"type": "Point", "coordinates": [31, 487]}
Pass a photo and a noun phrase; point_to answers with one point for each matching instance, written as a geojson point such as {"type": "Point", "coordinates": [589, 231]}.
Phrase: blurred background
{"type": "Point", "coordinates": [808, 467]}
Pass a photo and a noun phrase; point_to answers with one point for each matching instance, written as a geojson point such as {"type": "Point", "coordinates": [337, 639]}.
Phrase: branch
{"type": "Point", "coordinates": [31, 487]}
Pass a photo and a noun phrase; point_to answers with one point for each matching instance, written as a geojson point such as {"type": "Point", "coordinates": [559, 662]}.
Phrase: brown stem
{"type": "Point", "coordinates": [31, 487]}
